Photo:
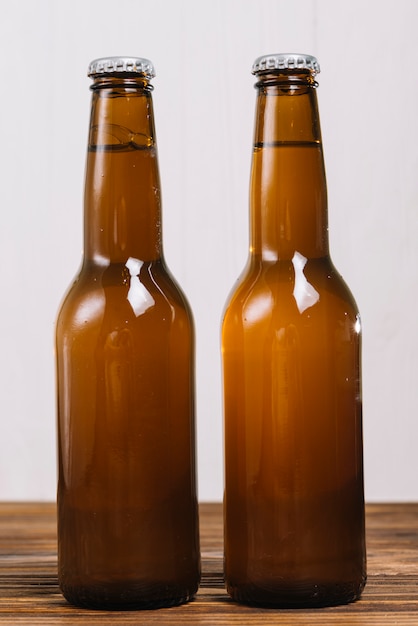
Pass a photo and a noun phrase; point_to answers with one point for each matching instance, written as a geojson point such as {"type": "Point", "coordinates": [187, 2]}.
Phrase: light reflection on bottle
{"type": "Point", "coordinates": [138, 296]}
{"type": "Point", "coordinates": [90, 308]}
{"type": "Point", "coordinates": [303, 292]}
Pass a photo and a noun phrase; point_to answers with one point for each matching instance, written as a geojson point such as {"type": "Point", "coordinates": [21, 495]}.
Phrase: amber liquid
{"type": "Point", "coordinates": [127, 508]}
{"type": "Point", "coordinates": [294, 510]}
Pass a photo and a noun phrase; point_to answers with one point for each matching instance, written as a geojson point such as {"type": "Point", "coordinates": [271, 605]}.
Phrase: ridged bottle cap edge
{"type": "Point", "coordinates": [117, 65]}
{"type": "Point", "coordinates": [285, 61]}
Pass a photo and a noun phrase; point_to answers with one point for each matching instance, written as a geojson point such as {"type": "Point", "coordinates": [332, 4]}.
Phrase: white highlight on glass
{"type": "Point", "coordinates": [303, 292]}
{"type": "Point", "coordinates": [138, 296]}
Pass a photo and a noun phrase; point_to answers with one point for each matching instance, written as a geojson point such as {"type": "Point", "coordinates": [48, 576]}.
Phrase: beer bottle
{"type": "Point", "coordinates": [127, 505]}
{"type": "Point", "coordinates": [294, 502]}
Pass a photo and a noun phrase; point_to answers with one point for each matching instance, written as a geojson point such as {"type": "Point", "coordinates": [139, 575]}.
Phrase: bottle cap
{"type": "Point", "coordinates": [121, 65]}
{"type": "Point", "coordinates": [285, 61]}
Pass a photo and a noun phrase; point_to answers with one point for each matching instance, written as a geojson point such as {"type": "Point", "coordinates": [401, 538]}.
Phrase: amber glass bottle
{"type": "Point", "coordinates": [294, 503]}
{"type": "Point", "coordinates": [127, 506]}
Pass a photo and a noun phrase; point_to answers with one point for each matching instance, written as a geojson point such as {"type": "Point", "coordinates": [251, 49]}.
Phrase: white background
{"type": "Point", "coordinates": [204, 106]}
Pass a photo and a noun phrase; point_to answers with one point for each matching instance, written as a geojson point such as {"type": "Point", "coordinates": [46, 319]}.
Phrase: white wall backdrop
{"type": "Point", "coordinates": [204, 104]}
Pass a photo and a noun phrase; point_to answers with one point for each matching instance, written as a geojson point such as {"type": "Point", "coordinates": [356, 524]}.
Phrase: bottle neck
{"type": "Point", "coordinates": [122, 205]}
{"type": "Point", "coordinates": [288, 197]}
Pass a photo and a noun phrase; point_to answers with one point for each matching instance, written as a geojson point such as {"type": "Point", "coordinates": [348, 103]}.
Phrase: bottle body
{"type": "Point", "coordinates": [291, 342]}
{"type": "Point", "coordinates": [127, 505]}
{"type": "Point", "coordinates": [294, 510]}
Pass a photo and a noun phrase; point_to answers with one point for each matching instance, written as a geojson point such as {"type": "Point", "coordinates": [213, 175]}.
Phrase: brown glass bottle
{"type": "Point", "coordinates": [294, 503]}
{"type": "Point", "coordinates": [127, 506]}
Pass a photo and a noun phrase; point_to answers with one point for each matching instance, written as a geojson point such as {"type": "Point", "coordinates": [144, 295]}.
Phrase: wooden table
{"type": "Point", "coordinates": [29, 593]}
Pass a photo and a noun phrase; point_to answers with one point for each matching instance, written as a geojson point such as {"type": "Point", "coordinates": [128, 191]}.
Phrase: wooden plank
{"type": "Point", "coordinates": [29, 593]}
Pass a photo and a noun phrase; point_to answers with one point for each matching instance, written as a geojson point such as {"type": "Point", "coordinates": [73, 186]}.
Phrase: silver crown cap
{"type": "Point", "coordinates": [286, 61]}
{"type": "Point", "coordinates": [117, 65]}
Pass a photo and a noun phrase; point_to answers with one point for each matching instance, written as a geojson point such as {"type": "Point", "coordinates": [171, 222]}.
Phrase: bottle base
{"type": "Point", "coordinates": [303, 595]}
{"type": "Point", "coordinates": [121, 597]}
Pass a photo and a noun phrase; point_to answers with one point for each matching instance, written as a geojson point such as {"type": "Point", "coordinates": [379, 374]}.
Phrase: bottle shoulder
{"type": "Point", "coordinates": [291, 289]}
{"type": "Point", "coordinates": [136, 293]}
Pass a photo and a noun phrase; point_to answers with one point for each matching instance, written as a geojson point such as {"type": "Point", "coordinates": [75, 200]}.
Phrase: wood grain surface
{"type": "Point", "coordinates": [29, 593]}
